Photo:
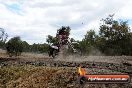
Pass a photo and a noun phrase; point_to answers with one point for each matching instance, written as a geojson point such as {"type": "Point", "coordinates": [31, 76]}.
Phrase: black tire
{"type": "Point", "coordinates": [55, 53]}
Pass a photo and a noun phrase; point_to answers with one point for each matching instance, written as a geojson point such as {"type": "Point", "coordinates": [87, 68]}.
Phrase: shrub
{"type": "Point", "coordinates": [14, 46]}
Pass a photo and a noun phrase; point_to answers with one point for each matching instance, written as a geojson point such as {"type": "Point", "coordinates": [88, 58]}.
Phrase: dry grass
{"type": "Point", "coordinates": [35, 77]}
{"type": "Point", "coordinates": [29, 76]}
{"type": "Point", "coordinates": [26, 56]}
{"type": "Point", "coordinates": [3, 53]}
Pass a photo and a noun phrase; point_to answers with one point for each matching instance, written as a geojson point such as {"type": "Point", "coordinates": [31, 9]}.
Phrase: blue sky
{"type": "Point", "coordinates": [130, 21]}
{"type": "Point", "coordinates": [33, 20]}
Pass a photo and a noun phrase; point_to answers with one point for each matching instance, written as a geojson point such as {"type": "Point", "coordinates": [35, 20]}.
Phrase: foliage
{"type": "Point", "coordinates": [14, 46]}
{"type": "Point", "coordinates": [26, 46]}
{"type": "Point", "coordinates": [51, 39]}
{"type": "Point", "coordinates": [54, 40]}
{"type": "Point", "coordinates": [39, 48]}
{"type": "Point", "coordinates": [3, 35]}
{"type": "Point", "coordinates": [88, 42]}
{"type": "Point", "coordinates": [3, 38]}
{"type": "Point", "coordinates": [67, 29]}
{"type": "Point", "coordinates": [114, 37]}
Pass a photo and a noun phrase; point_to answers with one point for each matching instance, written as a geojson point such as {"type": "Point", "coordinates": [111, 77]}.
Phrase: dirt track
{"type": "Point", "coordinates": [117, 64]}
{"type": "Point", "coordinates": [93, 65]}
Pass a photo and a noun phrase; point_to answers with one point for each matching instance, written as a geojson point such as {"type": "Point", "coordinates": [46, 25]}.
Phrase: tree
{"type": "Point", "coordinates": [3, 38]}
{"type": "Point", "coordinates": [43, 48]}
{"type": "Point", "coordinates": [26, 46]}
{"type": "Point", "coordinates": [38, 48]}
{"type": "Point", "coordinates": [51, 39]}
{"type": "Point", "coordinates": [88, 42]}
{"type": "Point", "coordinates": [72, 40]}
{"type": "Point", "coordinates": [54, 40]}
{"type": "Point", "coordinates": [67, 28]}
{"type": "Point", "coordinates": [114, 37]}
{"type": "Point", "coordinates": [3, 35]}
{"type": "Point", "coordinates": [14, 46]}
{"type": "Point", "coordinates": [90, 37]}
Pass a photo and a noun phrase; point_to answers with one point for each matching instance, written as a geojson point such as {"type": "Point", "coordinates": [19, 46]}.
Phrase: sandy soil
{"type": "Point", "coordinates": [93, 65]}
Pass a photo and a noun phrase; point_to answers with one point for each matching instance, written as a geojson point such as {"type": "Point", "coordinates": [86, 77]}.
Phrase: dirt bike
{"type": "Point", "coordinates": [53, 51]}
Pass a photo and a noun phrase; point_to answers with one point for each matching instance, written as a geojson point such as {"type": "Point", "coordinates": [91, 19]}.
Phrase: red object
{"type": "Point", "coordinates": [107, 76]}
